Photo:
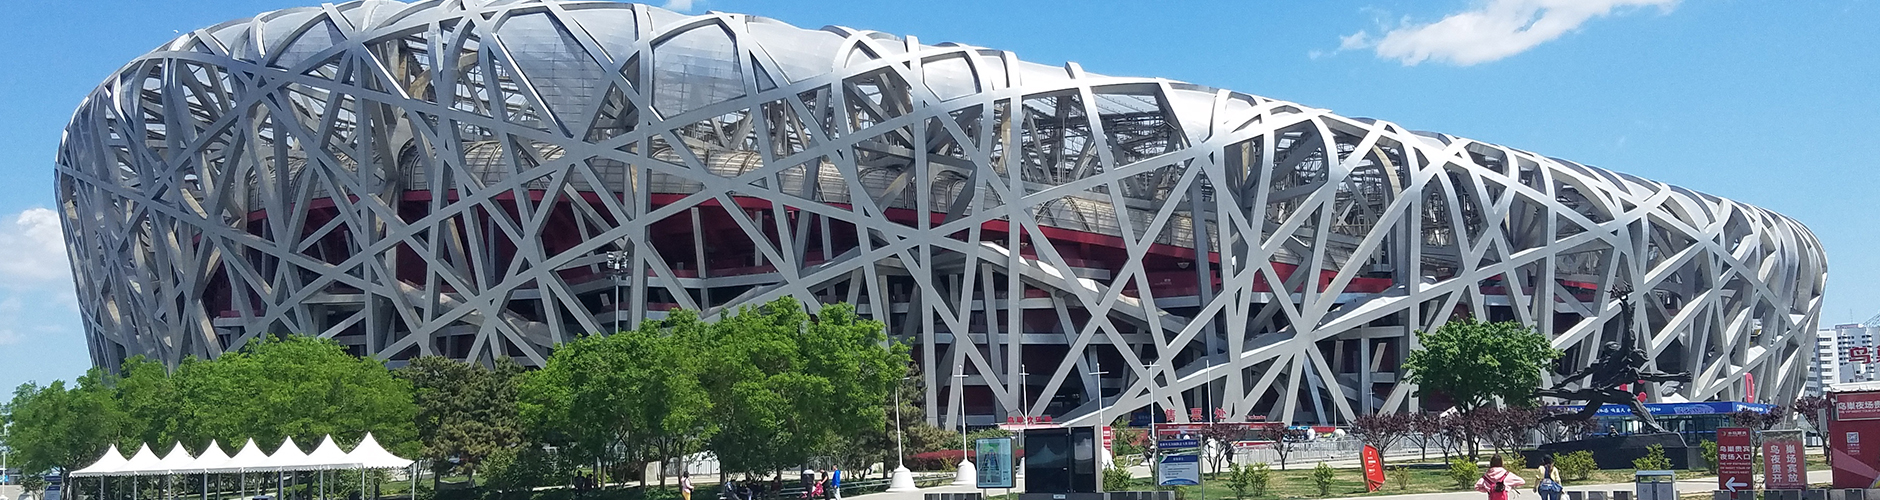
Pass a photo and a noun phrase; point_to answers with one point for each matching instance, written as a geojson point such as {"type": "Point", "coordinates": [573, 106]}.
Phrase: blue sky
{"type": "Point", "coordinates": [1771, 103]}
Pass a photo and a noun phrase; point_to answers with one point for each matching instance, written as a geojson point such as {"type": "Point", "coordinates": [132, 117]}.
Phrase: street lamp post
{"type": "Point", "coordinates": [967, 474]}
{"type": "Point", "coordinates": [616, 267]}
{"type": "Point", "coordinates": [1101, 423]}
{"type": "Point", "coordinates": [903, 479]}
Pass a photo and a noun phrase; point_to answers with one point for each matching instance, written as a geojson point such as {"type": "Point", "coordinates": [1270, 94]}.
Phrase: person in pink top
{"type": "Point", "coordinates": [1498, 482]}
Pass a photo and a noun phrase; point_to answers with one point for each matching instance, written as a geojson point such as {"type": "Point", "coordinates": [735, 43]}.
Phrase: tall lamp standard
{"type": "Point", "coordinates": [903, 479]}
{"type": "Point", "coordinates": [616, 267]}
{"type": "Point", "coordinates": [968, 475]}
{"type": "Point", "coordinates": [1101, 424]}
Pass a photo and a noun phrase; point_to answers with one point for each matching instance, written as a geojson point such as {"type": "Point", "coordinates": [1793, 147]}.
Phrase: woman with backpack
{"type": "Point", "coordinates": [1497, 482]}
{"type": "Point", "coordinates": [1549, 487]}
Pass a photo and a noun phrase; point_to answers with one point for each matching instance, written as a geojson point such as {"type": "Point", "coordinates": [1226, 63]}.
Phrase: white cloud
{"type": "Point", "coordinates": [678, 5]}
{"type": "Point", "coordinates": [35, 277]}
{"type": "Point", "coordinates": [1490, 31]}
{"type": "Point", "coordinates": [32, 252]}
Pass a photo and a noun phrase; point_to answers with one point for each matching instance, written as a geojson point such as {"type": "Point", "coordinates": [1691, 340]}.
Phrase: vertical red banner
{"type": "Point", "coordinates": [1782, 461]}
{"type": "Point", "coordinates": [1856, 416]}
{"type": "Point", "coordinates": [1373, 468]}
{"type": "Point", "coordinates": [1735, 470]}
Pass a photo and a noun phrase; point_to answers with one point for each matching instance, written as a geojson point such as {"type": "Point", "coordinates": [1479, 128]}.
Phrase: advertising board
{"type": "Point", "coordinates": [994, 462]}
{"type": "Point", "coordinates": [1178, 462]}
{"type": "Point", "coordinates": [1854, 439]}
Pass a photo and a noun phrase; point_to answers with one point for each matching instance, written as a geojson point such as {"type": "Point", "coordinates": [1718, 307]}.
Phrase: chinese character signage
{"type": "Point", "coordinates": [1857, 406]}
{"type": "Point", "coordinates": [1782, 460]}
{"type": "Point", "coordinates": [1854, 439]}
{"type": "Point", "coordinates": [1178, 462]}
{"type": "Point", "coordinates": [1373, 469]}
{"type": "Point", "coordinates": [994, 462]}
{"type": "Point", "coordinates": [1734, 455]}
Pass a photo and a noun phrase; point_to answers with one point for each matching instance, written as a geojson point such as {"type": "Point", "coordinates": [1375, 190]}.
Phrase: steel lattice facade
{"type": "Point", "coordinates": [452, 177]}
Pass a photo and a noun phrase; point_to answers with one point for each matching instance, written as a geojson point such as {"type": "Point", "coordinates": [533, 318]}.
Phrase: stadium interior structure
{"type": "Point", "coordinates": [487, 179]}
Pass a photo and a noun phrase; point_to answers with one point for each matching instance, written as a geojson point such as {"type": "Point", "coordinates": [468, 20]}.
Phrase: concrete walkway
{"type": "Point", "coordinates": [1685, 486]}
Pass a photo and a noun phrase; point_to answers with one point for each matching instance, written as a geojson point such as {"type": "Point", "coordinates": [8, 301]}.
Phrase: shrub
{"type": "Point", "coordinates": [1259, 478]}
{"type": "Point", "coordinates": [1710, 456]}
{"type": "Point", "coordinates": [1116, 478]}
{"type": "Point", "coordinates": [1577, 465]}
{"type": "Point", "coordinates": [1322, 478]}
{"type": "Point", "coordinates": [1464, 472]}
{"type": "Point", "coordinates": [1239, 479]}
{"type": "Point", "coordinates": [1401, 475]}
{"type": "Point", "coordinates": [1654, 459]}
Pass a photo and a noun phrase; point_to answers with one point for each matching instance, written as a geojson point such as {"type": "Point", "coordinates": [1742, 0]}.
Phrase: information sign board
{"type": "Point", "coordinates": [1734, 455]}
{"type": "Point", "coordinates": [1178, 462]}
{"type": "Point", "coordinates": [994, 462]}
{"type": "Point", "coordinates": [1852, 455]}
{"type": "Point", "coordinates": [1373, 468]}
{"type": "Point", "coordinates": [1783, 468]}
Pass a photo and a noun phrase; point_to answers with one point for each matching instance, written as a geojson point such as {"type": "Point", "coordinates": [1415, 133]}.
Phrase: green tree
{"type": "Point", "coordinates": [1473, 363]}
{"type": "Point", "coordinates": [465, 412]}
{"type": "Point", "coordinates": [634, 395]}
{"type": "Point", "coordinates": [297, 386]}
{"type": "Point", "coordinates": [53, 428]}
{"type": "Point", "coordinates": [784, 388]}
{"type": "Point", "coordinates": [147, 395]}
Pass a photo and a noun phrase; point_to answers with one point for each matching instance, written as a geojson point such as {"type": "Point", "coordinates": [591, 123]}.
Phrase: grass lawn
{"type": "Point", "coordinates": [1349, 482]}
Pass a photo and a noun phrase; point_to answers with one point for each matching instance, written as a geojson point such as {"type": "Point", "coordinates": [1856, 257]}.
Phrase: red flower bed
{"type": "Point", "coordinates": [941, 460]}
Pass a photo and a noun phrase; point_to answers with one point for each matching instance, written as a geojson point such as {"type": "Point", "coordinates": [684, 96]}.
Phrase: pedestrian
{"type": "Point", "coordinates": [685, 486]}
{"type": "Point", "coordinates": [1497, 482]}
{"type": "Point", "coordinates": [816, 489]}
{"type": "Point", "coordinates": [835, 484]}
{"type": "Point", "coordinates": [1549, 485]}
{"type": "Point", "coordinates": [729, 490]}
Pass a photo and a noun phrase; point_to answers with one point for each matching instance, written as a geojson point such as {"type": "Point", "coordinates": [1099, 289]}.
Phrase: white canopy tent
{"type": "Point", "coordinates": [372, 456]}
{"type": "Point", "coordinates": [288, 458]}
{"type": "Point", "coordinates": [249, 459]}
{"type": "Point", "coordinates": [109, 464]}
{"type": "Point", "coordinates": [211, 461]}
{"type": "Point", "coordinates": [143, 463]}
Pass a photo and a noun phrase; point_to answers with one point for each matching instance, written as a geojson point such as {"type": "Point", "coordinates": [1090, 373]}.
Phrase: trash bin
{"type": "Point", "coordinates": [1655, 485]}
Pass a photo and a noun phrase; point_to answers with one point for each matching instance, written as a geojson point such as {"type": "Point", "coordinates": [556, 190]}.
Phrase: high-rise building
{"type": "Point", "coordinates": [1855, 353]}
{"type": "Point", "coordinates": [1825, 370]}
{"type": "Point", "coordinates": [485, 179]}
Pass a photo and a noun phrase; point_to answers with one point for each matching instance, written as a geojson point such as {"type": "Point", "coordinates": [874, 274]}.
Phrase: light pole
{"type": "Point", "coordinates": [616, 267]}
{"type": "Point", "coordinates": [967, 474]}
{"type": "Point", "coordinates": [1101, 424]}
{"type": "Point", "coordinates": [903, 479]}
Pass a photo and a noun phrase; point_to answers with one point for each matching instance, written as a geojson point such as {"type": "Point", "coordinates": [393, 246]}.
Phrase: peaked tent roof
{"type": "Point", "coordinates": [250, 458]}
{"type": "Point", "coordinates": [112, 462]}
{"type": "Point", "coordinates": [212, 460]}
{"type": "Point", "coordinates": [286, 458]}
{"type": "Point", "coordinates": [143, 463]}
{"type": "Point", "coordinates": [177, 460]}
{"type": "Point", "coordinates": [370, 455]}
{"type": "Point", "coordinates": [328, 456]}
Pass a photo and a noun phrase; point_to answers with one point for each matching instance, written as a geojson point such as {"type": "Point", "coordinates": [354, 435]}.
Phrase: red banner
{"type": "Point", "coordinates": [1846, 428]}
{"type": "Point", "coordinates": [1782, 461]}
{"type": "Point", "coordinates": [1734, 456]}
{"type": "Point", "coordinates": [1373, 469]}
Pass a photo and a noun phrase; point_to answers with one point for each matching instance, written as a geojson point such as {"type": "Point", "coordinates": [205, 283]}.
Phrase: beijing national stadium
{"type": "Point", "coordinates": [488, 179]}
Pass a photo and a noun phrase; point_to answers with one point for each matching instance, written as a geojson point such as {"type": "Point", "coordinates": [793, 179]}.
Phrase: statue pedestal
{"type": "Point", "coordinates": [1617, 452]}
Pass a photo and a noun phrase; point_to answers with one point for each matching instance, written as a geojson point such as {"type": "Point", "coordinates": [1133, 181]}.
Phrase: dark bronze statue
{"type": "Point", "coordinates": [1619, 363]}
